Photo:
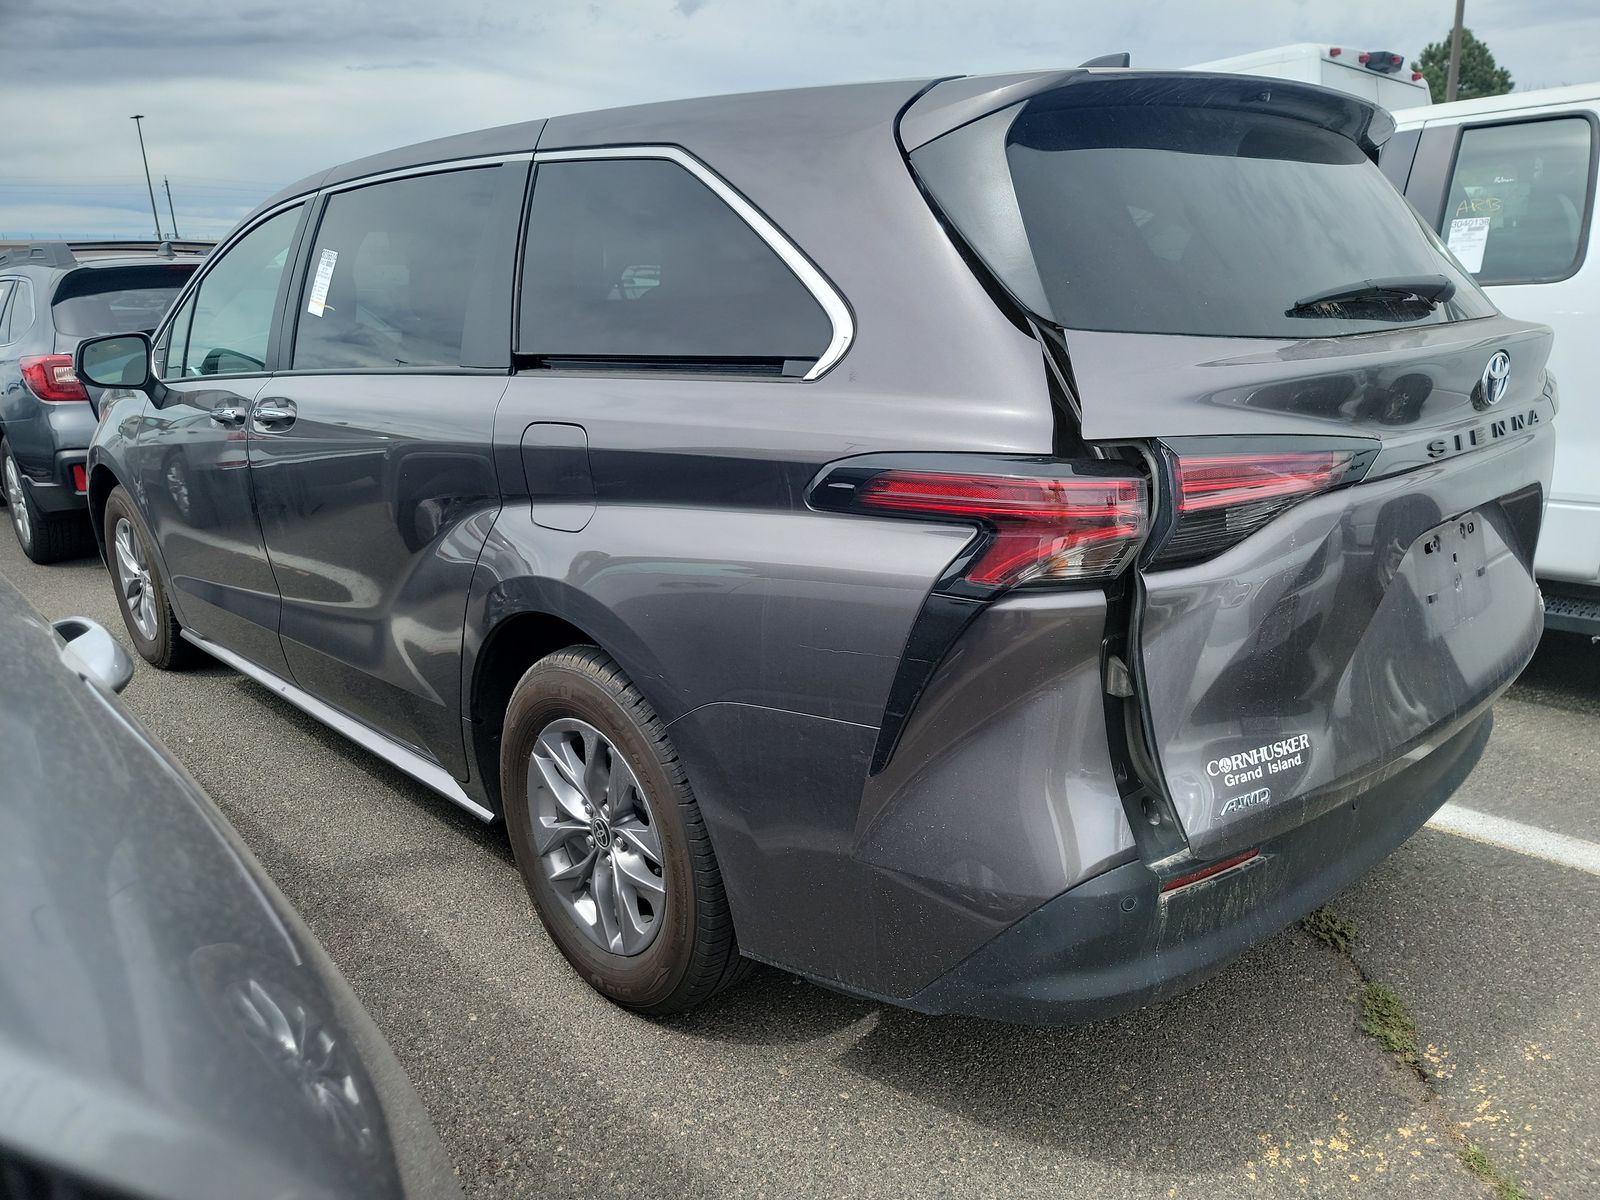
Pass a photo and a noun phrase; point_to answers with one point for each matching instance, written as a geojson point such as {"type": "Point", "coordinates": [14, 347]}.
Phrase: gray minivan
{"type": "Point", "coordinates": [998, 545]}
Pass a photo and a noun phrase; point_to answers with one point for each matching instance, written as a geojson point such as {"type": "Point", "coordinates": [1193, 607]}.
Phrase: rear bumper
{"type": "Point", "coordinates": [58, 493]}
{"type": "Point", "coordinates": [1113, 944]}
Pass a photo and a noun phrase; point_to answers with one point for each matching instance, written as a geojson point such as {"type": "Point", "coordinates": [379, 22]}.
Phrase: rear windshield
{"type": "Point", "coordinates": [116, 299]}
{"type": "Point", "coordinates": [1163, 219]}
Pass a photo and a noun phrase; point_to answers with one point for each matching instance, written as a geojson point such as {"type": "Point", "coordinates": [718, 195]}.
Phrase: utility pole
{"type": "Point", "coordinates": [165, 183]}
{"type": "Point", "coordinates": [137, 118]}
{"type": "Point", "coordinates": [1453, 75]}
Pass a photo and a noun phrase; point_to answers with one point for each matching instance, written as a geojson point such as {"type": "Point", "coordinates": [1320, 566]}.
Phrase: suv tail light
{"type": "Point", "coordinates": [1043, 521]}
{"type": "Point", "coordinates": [50, 377]}
{"type": "Point", "coordinates": [1223, 498]}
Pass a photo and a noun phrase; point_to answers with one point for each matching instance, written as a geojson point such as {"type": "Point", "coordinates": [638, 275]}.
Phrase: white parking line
{"type": "Point", "coordinates": [1514, 835]}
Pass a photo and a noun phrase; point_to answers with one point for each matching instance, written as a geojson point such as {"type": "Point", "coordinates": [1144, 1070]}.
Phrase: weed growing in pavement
{"type": "Point", "coordinates": [1505, 1187]}
{"type": "Point", "coordinates": [1329, 928]}
{"type": "Point", "coordinates": [1384, 1017]}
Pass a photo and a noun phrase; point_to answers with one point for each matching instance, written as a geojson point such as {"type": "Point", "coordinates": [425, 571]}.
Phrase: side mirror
{"type": "Point", "coordinates": [119, 361]}
{"type": "Point", "coordinates": [92, 653]}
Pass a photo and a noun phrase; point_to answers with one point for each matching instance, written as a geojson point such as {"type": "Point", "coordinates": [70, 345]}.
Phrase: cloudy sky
{"type": "Point", "coordinates": [241, 97]}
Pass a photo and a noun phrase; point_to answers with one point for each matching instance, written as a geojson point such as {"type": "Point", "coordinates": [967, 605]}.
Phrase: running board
{"type": "Point", "coordinates": [424, 771]}
{"type": "Point", "coordinates": [1572, 613]}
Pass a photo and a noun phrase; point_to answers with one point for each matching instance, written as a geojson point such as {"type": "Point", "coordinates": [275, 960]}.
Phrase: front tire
{"type": "Point", "coordinates": [609, 839]}
{"type": "Point", "coordinates": [141, 592]}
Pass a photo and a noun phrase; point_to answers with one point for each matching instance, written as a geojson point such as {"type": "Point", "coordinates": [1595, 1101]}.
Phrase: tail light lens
{"type": "Point", "coordinates": [80, 478]}
{"type": "Point", "coordinates": [1224, 498]}
{"type": "Point", "coordinates": [1049, 522]}
{"type": "Point", "coordinates": [50, 377]}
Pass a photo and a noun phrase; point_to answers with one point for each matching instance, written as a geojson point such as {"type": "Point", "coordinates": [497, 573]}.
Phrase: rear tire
{"type": "Point", "coordinates": [141, 592]}
{"type": "Point", "coordinates": [44, 537]}
{"type": "Point", "coordinates": [655, 948]}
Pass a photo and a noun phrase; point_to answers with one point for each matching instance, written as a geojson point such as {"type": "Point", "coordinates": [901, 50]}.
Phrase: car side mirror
{"type": "Point", "coordinates": [121, 360]}
{"type": "Point", "coordinates": [91, 653]}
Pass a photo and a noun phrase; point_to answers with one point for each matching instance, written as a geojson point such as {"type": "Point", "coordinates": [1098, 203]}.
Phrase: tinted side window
{"type": "Point", "coordinates": [395, 270]}
{"type": "Point", "coordinates": [6, 287]}
{"type": "Point", "coordinates": [233, 305]}
{"type": "Point", "coordinates": [19, 313]}
{"type": "Point", "coordinates": [637, 260]}
{"type": "Point", "coordinates": [1518, 200]}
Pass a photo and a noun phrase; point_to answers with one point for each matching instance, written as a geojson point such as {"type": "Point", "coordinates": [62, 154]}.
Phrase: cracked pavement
{"type": "Point", "coordinates": [1257, 1084]}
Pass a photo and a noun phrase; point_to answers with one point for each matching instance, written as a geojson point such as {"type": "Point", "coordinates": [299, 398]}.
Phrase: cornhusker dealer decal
{"type": "Point", "coordinates": [1245, 779]}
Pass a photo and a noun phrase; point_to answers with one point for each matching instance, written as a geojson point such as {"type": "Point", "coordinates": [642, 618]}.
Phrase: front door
{"type": "Point", "coordinates": [371, 452]}
{"type": "Point", "coordinates": [188, 456]}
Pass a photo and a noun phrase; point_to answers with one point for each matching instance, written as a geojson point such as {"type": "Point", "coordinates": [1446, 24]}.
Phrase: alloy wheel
{"type": "Point", "coordinates": [133, 577]}
{"type": "Point", "coordinates": [596, 837]}
{"type": "Point", "coordinates": [17, 502]}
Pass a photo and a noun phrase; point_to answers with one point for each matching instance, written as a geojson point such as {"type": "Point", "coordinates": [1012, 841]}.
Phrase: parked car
{"type": "Point", "coordinates": [998, 545]}
{"type": "Point", "coordinates": [52, 295]}
{"type": "Point", "coordinates": [169, 1028]}
{"type": "Point", "coordinates": [1380, 76]}
{"type": "Point", "coordinates": [1509, 184]}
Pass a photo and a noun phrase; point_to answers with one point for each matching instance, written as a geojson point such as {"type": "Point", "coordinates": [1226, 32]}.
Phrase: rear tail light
{"type": "Point", "coordinates": [1223, 498]}
{"type": "Point", "coordinates": [1049, 522]}
{"type": "Point", "coordinates": [50, 377]}
{"type": "Point", "coordinates": [80, 478]}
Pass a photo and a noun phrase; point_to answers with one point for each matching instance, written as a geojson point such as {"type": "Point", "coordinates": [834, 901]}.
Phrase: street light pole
{"type": "Point", "coordinates": [167, 184]}
{"type": "Point", "coordinates": [137, 118]}
{"type": "Point", "coordinates": [1453, 75]}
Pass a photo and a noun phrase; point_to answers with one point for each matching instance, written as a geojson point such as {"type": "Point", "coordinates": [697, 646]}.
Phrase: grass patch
{"type": "Point", "coordinates": [1505, 1187]}
{"type": "Point", "coordinates": [1329, 928]}
{"type": "Point", "coordinates": [1384, 1017]}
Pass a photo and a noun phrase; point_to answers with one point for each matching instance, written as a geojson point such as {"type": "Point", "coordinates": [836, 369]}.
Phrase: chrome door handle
{"type": "Point", "coordinates": [272, 416]}
{"type": "Point", "coordinates": [231, 415]}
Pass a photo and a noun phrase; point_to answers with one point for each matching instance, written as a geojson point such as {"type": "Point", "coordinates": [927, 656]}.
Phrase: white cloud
{"type": "Point", "coordinates": [240, 101]}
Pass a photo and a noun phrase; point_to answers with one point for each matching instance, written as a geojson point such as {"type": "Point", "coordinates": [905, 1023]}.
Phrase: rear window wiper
{"type": "Point", "coordinates": [1431, 290]}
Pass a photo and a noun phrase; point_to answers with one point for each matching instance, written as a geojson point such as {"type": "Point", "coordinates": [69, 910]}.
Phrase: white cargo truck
{"type": "Point", "coordinates": [1378, 75]}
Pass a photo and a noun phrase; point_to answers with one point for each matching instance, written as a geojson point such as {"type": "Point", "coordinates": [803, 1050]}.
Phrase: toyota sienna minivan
{"type": "Point", "coordinates": [995, 545]}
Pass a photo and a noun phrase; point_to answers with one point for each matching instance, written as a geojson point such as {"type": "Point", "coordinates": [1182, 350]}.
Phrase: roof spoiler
{"type": "Point", "coordinates": [949, 105]}
{"type": "Point", "coordinates": [66, 254]}
{"type": "Point", "coordinates": [1121, 59]}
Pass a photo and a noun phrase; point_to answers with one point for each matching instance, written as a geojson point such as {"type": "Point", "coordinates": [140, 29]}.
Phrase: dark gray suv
{"type": "Point", "coordinates": [998, 545]}
{"type": "Point", "coordinates": [52, 295]}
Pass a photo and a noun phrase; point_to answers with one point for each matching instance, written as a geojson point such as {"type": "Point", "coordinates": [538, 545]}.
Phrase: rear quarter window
{"type": "Point", "coordinates": [18, 316]}
{"type": "Point", "coordinates": [637, 262]}
{"type": "Point", "coordinates": [1520, 199]}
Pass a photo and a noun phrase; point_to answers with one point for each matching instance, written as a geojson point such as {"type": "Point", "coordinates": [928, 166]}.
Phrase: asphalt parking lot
{"type": "Point", "coordinates": [1261, 1083]}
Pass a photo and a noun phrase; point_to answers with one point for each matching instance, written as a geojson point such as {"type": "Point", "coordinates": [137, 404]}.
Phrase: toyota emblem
{"type": "Point", "coordinates": [1496, 378]}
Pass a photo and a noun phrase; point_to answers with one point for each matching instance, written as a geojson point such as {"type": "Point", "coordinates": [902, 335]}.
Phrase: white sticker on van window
{"type": "Point", "coordinates": [319, 285]}
{"type": "Point", "coordinates": [1468, 237]}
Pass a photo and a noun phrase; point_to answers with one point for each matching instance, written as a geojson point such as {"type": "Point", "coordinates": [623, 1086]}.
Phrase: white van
{"type": "Point", "coordinates": [1377, 75]}
{"type": "Point", "coordinates": [1509, 183]}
